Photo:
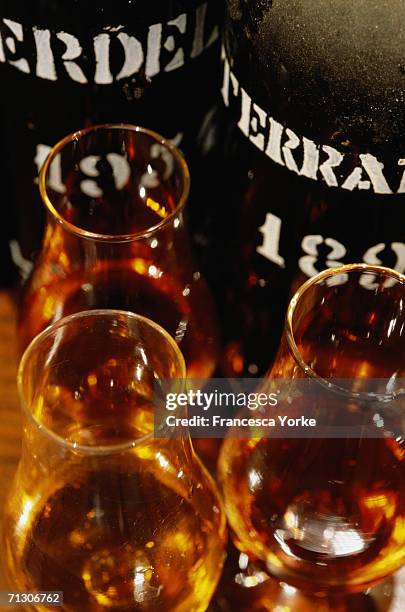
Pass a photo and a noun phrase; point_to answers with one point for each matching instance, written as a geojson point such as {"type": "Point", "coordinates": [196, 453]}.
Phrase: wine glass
{"type": "Point", "coordinates": [328, 513]}
{"type": "Point", "coordinates": [101, 509]}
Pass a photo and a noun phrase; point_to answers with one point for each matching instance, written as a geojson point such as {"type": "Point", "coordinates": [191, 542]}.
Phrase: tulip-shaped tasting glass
{"type": "Point", "coordinates": [329, 513]}
{"type": "Point", "coordinates": [101, 509]}
{"type": "Point", "coordinates": [116, 237]}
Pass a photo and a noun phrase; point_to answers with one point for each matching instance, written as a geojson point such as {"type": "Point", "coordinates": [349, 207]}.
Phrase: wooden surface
{"type": "Point", "coordinates": [10, 425]}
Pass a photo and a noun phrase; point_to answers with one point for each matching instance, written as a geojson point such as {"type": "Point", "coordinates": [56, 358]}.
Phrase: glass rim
{"type": "Point", "coordinates": [314, 280]}
{"type": "Point", "coordinates": [82, 233]}
{"type": "Point", "coordinates": [49, 331]}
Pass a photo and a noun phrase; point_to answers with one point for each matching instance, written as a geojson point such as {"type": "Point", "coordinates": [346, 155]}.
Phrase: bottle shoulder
{"type": "Point", "coordinates": [342, 67]}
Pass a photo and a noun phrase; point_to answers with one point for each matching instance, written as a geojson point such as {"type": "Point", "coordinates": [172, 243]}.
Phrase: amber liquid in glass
{"type": "Point", "coordinates": [129, 286]}
{"type": "Point", "coordinates": [123, 531]}
{"type": "Point", "coordinates": [321, 511]}
{"type": "Point", "coordinates": [144, 276]}
{"type": "Point", "coordinates": [308, 486]}
{"type": "Point", "coordinates": [115, 558]}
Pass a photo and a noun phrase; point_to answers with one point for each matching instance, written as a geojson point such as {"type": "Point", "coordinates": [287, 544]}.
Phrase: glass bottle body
{"type": "Point", "coordinates": [153, 65]}
{"type": "Point", "coordinates": [311, 159]}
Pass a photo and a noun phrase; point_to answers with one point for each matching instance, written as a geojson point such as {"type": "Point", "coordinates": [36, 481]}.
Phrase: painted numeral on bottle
{"type": "Point", "coordinates": [371, 257]}
{"type": "Point", "coordinates": [88, 165]}
{"type": "Point", "coordinates": [271, 230]}
{"type": "Point", "coordinates": [152, 177]}
{"type": "Point", "coordinates": [55, 170]}
{"type": "Point", "coordinates": [310, 245]}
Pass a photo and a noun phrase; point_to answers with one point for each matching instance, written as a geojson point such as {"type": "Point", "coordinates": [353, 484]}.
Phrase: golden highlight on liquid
{"type": "Point", "coordinates": [321, 513]}
{"type": "Point", "coordinates": [99, 541]}
{"type": "Point", "coordinates": [138, 285]}
{"type": "Point", "coordinates": [140, 529]}
{"type": "Point", "coordinates": [101, 509]}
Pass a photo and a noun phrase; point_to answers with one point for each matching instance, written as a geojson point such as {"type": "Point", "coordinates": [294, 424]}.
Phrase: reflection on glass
{"type": "Point", "coordinates": [328, 513]}
{"type": "Point", "coordinates": [245, 586]}
{"type": "Point", "coordinates": [99, 508]}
